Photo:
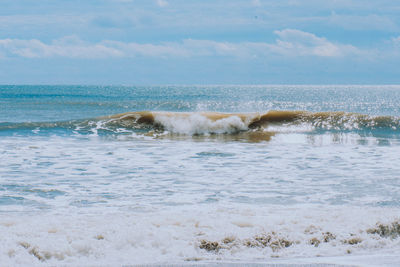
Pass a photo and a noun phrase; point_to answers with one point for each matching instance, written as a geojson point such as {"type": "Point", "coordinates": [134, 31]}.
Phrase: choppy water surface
{"type": "Point", "coordinates": [168, 174]}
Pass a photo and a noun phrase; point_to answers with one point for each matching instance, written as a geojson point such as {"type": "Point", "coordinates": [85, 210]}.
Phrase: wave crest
{"type": "Point", "coordinates": [214, 123]}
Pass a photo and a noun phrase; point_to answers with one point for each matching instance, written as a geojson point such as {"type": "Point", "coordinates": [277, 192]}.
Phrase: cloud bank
{"type": "Point", "coordinates": [289, 43]}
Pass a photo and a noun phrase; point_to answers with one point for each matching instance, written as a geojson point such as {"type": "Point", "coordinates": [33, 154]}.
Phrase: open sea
{"type": "Point", "coordinates": [124, 175]}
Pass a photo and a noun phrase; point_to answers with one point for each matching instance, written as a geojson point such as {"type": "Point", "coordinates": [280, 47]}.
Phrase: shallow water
{"type": "Point", "coordinates": [78, 184]}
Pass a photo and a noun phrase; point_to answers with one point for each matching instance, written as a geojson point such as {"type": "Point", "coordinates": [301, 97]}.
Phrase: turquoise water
{"type": "Point", "coordinates": [59, 103]}
{"type": "Point", "coordinates": [192, 163]}
{"type": "Point", "coordinates": [62, 108]}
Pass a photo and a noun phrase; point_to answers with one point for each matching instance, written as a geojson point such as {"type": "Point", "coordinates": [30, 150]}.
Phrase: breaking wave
{"type": "Point", "coordinates": [214, 123]}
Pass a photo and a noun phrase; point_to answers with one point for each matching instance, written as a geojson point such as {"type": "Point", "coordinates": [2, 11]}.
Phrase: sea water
{"type": "Point", "coordinates": [116, 175]}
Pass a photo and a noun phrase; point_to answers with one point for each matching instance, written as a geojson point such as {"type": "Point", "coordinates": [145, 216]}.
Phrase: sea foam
{"type": "Point", "coordinates": [200, 124]}
{"type": "Point", "coordinates": [204, 234]}
{"type": "Point", "coordinates": [260, 174]}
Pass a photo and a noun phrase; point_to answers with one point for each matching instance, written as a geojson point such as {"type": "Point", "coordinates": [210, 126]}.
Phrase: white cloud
{"type": "Point", "coordinates": [162, 3]}
{"type": "Point", "coordinates": [290, 43]}
{"type": "Point", "coordinates": [396, 41]}
{"type": "Point", "coordinates": [70, 47]}
{"type": "Point", "coordinates": [149, 50]}
{"type": "Point", "coordinates": [294, 42]}
{"type": "Point", "coordinates": [363, 23]}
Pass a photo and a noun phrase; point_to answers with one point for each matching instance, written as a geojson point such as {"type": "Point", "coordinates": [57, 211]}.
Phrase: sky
{"type": "Point", "coordinates": [149, 42]}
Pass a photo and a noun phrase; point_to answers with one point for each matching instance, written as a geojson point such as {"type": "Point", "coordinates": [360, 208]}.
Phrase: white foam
{"type": "Point", "coordinates": [174, 235]}
{"type": "Point", "coordinates": [199, 124]}
{"type": "Point", "coordinates": [153, 201]}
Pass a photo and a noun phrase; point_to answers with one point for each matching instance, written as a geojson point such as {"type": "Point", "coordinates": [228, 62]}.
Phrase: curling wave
{"type": "Point", "coordinates": [215, 123]}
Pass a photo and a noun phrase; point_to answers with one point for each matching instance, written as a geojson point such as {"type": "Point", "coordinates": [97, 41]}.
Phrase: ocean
{"type": "Point", "coordinates": [124, 175]}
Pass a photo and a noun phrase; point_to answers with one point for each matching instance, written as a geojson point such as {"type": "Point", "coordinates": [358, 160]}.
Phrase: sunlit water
{"type": "Point", "coordinates": [77, 188]}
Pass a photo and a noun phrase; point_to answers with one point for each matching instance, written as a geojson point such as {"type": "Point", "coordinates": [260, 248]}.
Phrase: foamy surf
{"type": "Point", "coordinates": [89, 179]}
{"type": "Point", "coordinates": [164, 124]}
{"type": "Point", "coordinates": [204, 235]}
{"type": "Point", "coordinates": [200, 123]}
{"type": "Point", "coordinates": [244, 121]}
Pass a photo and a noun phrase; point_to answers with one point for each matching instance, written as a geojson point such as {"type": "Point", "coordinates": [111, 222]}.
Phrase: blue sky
{"type": "Point", "coordinates": [199, 42]}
